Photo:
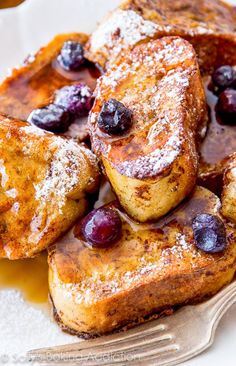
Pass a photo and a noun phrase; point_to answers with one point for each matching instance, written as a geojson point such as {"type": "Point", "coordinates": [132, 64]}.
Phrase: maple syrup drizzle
{"type": "Point", "coordinates": [220, 140]}
{"type": "Point", "coordinates": [30, 276]}
{"type": "Point", "coordinates": [219, 143]}
{"type": "Point", "coordinates": [87, 73]}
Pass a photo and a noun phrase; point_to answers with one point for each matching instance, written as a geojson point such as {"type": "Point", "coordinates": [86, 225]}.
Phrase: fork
{"type": "Point", "coordinates": [163, 342]}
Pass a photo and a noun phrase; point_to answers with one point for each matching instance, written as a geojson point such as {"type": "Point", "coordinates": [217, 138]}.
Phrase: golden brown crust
{"type": "Point", "coordinates": [84, 335]}
{"type": "Point", "coordinates": [152, 267]}
{"type": "Point", "coordinates": [44, 183]}
{"type": "Point", "coordinates": [208, 24]}
{"type": "Point", "coordinates": [160, 83]}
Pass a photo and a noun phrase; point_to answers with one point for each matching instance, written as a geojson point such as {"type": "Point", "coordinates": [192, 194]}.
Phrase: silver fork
{"type": "Point", "coordinates": [167, 341]}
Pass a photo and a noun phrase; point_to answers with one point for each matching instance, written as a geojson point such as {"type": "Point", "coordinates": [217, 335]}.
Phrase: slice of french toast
{"type": "Point", "coordinates": [153, 166]}
{"type": "Point", "coordinates": [153, 267]}
{"type": "Point", "coordinates": [228, 196]}
{"type": "Point", "coordinates": [208, 24]}
{"type": "Point", "coordinates": [44, 183]}
{"type": "Point", "coordinates": [34, 84]}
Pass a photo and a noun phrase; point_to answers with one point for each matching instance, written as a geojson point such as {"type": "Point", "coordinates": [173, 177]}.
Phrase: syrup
{"type": "Point", "coordinates": [220, 140]}
{"type": "Point", "coordinates": [26, 91]}
{"type": "Point", "coordinates": [219, 143]}
{"type": "Point", "coordinates": [30, 276]}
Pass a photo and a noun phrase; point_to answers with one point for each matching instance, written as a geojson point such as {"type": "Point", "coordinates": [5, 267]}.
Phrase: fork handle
{"type": "Point", "coordinates": [220, 303]}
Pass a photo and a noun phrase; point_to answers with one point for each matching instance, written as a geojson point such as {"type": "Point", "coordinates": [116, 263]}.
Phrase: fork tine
{"type": "Point", "coordinates": [130, 355]}
{"type": "Point", "coordinates": [119, 338]}
{"type": "Point", "coordinates": [138, 347]}
{"type": "Point", "coordinates": [152, 355]}
{"type": "Point", "coordinates": [127, 347]}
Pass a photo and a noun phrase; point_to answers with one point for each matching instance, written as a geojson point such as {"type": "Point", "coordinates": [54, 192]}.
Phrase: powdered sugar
{"type": "Point", "coordinates": [153, 163]}
{"type": "Point", "coordinates": [129, 27]}
{"type": "Point", "coordinates": [24, 328]}
{"type": "Point", "coordinates": [63, 173]}
{"type": "Point", "coordinates": [3, 173]}
{"type": "Point", "coordinates": [233, 172]}
{"type": "Point", "coordinates": [182, 246]}
{"type": "Point", "coordinates": [11, 193]}
{"type": "Point", "coordinates": [125, 28]}
{"type": "Point", "coordinates": [157, 108]}
{"type": "Point", "coordinates": [85, 91]}
{"type": "Point", "coordinates": [31, 129]}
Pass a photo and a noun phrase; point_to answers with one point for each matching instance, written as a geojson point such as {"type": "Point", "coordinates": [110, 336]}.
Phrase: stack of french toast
{"type": "Point", "coordinates": [118, 156]}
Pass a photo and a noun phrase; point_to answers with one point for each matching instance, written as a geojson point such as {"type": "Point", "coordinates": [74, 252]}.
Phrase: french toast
{"type": "Point", "coordinates": [44, 183]}
{"type": "Point", "coordinates": [34, 84]}
{"type": "Point", "coordinates": [153, 166]}
{"type": "Point", "coordinates": [228, 196]}
{"type": "Point", "coordinates": [151, 268]}
{"type": "Point", "coordinates": [209, 25]}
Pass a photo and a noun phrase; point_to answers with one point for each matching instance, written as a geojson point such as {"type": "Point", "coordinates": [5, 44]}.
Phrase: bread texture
{"type": "Point", "coordinates": [153, 166]}
{"type": "Point", "coordinates": [208, 24]}
{"type": "Point", "coordinates": [152, 268]}
{"type": "Point", "coordinates": [45, 180]}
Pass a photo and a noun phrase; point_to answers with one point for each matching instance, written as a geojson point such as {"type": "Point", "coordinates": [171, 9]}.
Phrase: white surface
{"type": "Point", "coordinates": [24, 30]}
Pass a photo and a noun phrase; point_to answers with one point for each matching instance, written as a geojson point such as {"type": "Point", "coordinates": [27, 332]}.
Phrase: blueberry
{"type": "Point", "coordinates": [102, 227]}
{"type": "Point", "coordinates": [76, 99]}
{"type": "Point", "coordinates": [224, 76]}
{"type": "Point", "coordinates": [209, 233]}
{"type": "Point", "coordinates": [52, 118]}
{"type": "Point", "coordinates": [114, 118]}
{"type": "Point", "coordinates": [226, 106]}
{"type": "Point", "coordinates": [71, 56]}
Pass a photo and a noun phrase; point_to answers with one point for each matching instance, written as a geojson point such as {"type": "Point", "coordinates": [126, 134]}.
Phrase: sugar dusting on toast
{"type": "Point", "coordinates": [63, 174]}
{"type": "Point", "coordinates": [94, 287]}
{"type": "Point", "coordinates": [166, 124]}
{"type": "Point", "coordinates": [175, 245]}
{"type": "Point", "coordinates": [127, 26]}
{"type": "Point", "coordinates": [34, 130]}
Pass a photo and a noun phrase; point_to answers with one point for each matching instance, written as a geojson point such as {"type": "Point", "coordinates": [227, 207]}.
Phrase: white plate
{"type": "Point", "coordinates": [22, 31]}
